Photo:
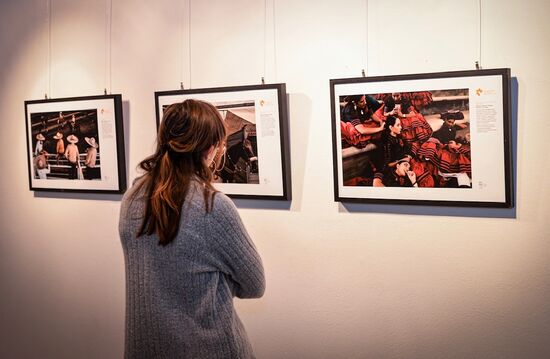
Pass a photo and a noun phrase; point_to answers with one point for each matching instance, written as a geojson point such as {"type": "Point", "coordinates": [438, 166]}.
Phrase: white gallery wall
{"type": "Point", "coordinates": [343, 281]}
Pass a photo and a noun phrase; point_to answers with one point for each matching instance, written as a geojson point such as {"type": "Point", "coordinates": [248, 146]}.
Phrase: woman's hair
{"type": "Point", "coordinates": [187, 132]}
{"type": "Point", "coordinates": [390, 121]}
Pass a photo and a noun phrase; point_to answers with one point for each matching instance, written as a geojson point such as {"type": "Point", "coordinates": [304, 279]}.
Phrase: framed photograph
{"type": "Point", "coordinates": [431, 139]}
{"type": "Point", "coordinates": [76, 144]}
{"type": "Point", "coordinates": [256, 163]}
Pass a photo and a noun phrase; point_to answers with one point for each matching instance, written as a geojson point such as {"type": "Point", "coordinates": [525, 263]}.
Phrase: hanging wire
{"type": "Point", "coordinates": [274, 41]}
{"type": "Point", "coordinates": [478, 63]}
{"type": "Point", "coordinates": [108, 45]}
{"type": "Point", "coordinates": [363, 73]}
{"type": "Point", "coordinates": [265, 41]}
{"type": "Point", "coordinates": [189, 39]}
{"type": "Point", "coordinates": [106, 39]}
{"type": "Point", "coordinates": [48, 85]}
{"type": "Point", "coordinates": [182, 46]}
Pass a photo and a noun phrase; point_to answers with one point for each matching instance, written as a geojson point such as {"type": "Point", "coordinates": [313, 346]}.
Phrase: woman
{"type": "Point", "coordinates": [361, 120]}
{"type": "Point", "coordinates": [392, 145]}
{"type": "Point", "coordinates": [187, 253]}
{"type": "Point", "coordinates": [396, 150]}
{"type": "Point", "coordinates": [398, 176]}
{"type": "Point", "coordinates": [416, 130]}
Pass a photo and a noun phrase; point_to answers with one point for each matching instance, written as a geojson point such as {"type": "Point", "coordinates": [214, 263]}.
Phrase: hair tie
{"type": "Point", "coordinates": [165, 148]}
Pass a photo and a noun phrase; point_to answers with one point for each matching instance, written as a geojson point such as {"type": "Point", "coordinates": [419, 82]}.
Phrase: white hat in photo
{"type": "Point", "coordinates": [40, 137]}
{"type": "Point", "coordinates": [58, 136]}
{"type": "Point", "coordinates": [91, 141]}
{"type": "Point", "coordinates": [72, 139]}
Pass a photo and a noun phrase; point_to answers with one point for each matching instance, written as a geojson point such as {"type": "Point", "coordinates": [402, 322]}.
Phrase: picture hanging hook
{"type": "Point", "coordinates": [478, 66]}
{"type": "Point", "coordinates": [263, 81]}
{"type": "Point", "coordinates": [46, 96]}
{"type": "Point", "coordinates": [363, 73]}
{"type": "Point", "coordinates": [181, 85]}
{"type": "Point", "coordinates": [105, 91]}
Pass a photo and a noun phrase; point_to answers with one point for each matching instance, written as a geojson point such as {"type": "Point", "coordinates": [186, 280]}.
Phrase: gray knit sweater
{"type": "Point", "coordinates": [179, 298]}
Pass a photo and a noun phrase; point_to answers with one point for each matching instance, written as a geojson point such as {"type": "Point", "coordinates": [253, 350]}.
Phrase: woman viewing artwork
{"type": "Point", "coordinates": [187, 252]}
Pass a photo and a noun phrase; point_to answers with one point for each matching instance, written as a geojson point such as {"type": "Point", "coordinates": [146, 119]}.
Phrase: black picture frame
{"type": "Point", "coordinates": [258, 116]}
{"type": "Point", "coordinates": [95, 163]}
{"type": "Point", "coordinates": [468, 157]}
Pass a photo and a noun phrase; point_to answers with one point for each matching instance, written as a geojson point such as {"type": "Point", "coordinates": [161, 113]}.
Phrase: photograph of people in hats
{"type": "Point", "coordinates": [406, 139]}
{"type": "Point", "coordinates": [65, 145]}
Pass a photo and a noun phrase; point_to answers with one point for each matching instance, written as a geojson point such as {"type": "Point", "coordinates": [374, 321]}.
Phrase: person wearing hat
{"type": "Point", "coordinates": [39, 144]}
{"type": "Point", "coordinates": [59, 147]}
{"type": "Point", "coordinates": [91, 155]}
{"type": "Point", "coordinates": [72, 154]}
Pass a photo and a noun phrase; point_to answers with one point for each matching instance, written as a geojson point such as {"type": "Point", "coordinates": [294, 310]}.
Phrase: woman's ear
{"type": "Point", "coordinates": [210, 154]}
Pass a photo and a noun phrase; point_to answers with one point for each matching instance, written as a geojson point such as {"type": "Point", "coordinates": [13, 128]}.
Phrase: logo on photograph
{"type": "Point", "coordinates": [485, 92]}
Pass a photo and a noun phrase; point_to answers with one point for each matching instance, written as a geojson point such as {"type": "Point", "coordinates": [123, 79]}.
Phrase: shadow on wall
{"type": "Point", "coordinates": [21, 33]}
{"type": "Point", "coordinates": [298, 139]}
{"type": "Point", "coordinates": [299, 107]}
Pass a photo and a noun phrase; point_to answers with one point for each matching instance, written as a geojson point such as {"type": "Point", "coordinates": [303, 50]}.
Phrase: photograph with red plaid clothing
{"type": "Point", "coordinates": [425, 128]}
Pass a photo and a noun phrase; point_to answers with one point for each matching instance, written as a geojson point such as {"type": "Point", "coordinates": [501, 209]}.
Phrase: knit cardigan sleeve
{"type": "Point", "coordinates": [232, 249]}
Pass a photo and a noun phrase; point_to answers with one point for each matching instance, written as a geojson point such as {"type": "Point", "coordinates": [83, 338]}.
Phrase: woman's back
{"type": "Point", "coordinates": [180, 296]}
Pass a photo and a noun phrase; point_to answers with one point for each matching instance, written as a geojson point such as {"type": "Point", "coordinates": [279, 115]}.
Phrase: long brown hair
{"type": "Point", "coordinates": [187, 132]}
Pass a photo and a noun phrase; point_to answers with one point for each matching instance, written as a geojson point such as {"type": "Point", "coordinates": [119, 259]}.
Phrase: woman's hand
{"type": "Point", "coordinates": [412, 177]}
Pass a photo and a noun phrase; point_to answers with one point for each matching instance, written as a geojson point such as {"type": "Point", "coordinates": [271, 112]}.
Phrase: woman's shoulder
{"type": "Point", "coordinates": [136, 190]}
{"type": "Point", "coordinates": [219, 202]}
{"type": "Point", "coordinates": [223, 207]}
{"type": "Point", "coordinates": [222, 200]}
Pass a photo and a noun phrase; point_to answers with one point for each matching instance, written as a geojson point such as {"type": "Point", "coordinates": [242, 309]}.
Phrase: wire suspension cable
{"type": "Point", "coordinates": [49, 50]}
{"type": "Point", "coordinates": [108, 45]}
{"type": "Point", "coordinates": [189, 39]}
{"type": "Point", "coordinates": [265, 40]}
{"type": "Point", "coordinates": [479, 55]}
{"type": "Point", "coordinates": [267, 6]}
{"type": "Point", "coordinates": [182, 43]}
{"type": "Point", "coordinates": [366, 38]}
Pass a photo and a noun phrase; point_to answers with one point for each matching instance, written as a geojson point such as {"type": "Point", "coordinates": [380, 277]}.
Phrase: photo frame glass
{"type": "Point", "coordinates": [440, 138]}
{"type": "Point", "coordinates": [76, 144]}
{"type": "Point", "coordinates": [255, 163]}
